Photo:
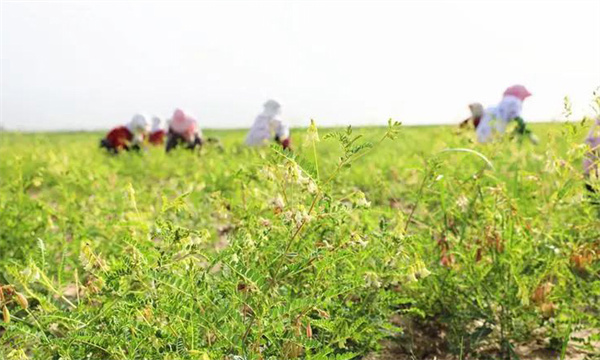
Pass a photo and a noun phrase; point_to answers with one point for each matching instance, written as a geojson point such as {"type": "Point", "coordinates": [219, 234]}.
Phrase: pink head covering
{"type": "Point", "coordinates": [518, 91]}
{"type": "Point", "coordinates": [183, 124]}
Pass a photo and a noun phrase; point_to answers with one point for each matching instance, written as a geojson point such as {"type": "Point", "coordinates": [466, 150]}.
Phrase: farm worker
{"type": "Point", "coordinates": [157, 133]}
{"type": "Point", "coordinates": [267, 123]}
{"type": "Point", "coordinates": [591, 160]}
{"type": "Point", "coordinates": [183, 129]}
{"type": "Point", "coordinates": [128, 137]}
{"type": "Point", "coordinates": [476, 114]}
{"type": "Point", "coordinates": [495, 119]}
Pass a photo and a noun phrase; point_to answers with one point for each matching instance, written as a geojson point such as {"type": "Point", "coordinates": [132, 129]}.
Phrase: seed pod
{"type": "Point", "coordinates": [542, 292]}
{"type": "Point", "coordinates": [247, 310]}
{"type": "Point", "coordinates": [581, 260]}
{"type": "Point", "coordinates": [548, 309]}
{"type": "Point", "coordinates": [478, 255]}
{"type": "Point", "coordinates": [5, 314]}
{"type": "Point", "coordinates": [308, 331]}
{"type": "Point", "coordinates": [21, 300]}
{"type": "Point", "coordinates": [322, 313]}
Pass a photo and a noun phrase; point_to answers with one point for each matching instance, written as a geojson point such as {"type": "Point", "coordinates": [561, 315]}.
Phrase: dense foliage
{"type": "Point", "coordinates": [238, 253]}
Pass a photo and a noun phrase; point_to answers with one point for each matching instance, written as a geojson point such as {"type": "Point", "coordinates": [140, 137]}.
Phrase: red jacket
{"type": "Point", "coordinates": [119, 137]}
{"type": "Point", "coordinates": [157, 137]}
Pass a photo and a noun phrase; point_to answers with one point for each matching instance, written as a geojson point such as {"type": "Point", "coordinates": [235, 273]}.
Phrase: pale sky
{"type": "Point", "coordinates": [92, 65]}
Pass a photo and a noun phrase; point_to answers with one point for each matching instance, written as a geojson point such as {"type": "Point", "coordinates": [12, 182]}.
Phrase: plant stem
{"type": "Point", "coordinates": [316, 158]}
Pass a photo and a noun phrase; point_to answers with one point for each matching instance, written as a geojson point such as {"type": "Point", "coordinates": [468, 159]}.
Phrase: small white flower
{"type": "Point", "coordinates": [298, 217]}
{"type": "Point", "coordinates": [288, 215]}
{"type": "Point", "coordinates": [31, 273]}
{"type": "Point", "coordinates": [278, 202]}
{"type": "Point", "coordinates": [268, 173]}
{"type": "Point", "coordinates": [301, 216]}
{"type": "Point", "coordinates": [292, 172]}
{"type": "Point", "coordinates": [411, 277]}
{"type": "Point", "coordinates": [361, 200]}
{"type": "Point", "coordinates": [462, 202]}
{"type": "Point", "coordinates": [372, 280]}
{"type": "Point", "coordinates": [195, 240]}
{"type": "Point", "coordinates": [248, 242]}
{"type": "Point", "coordinates": [554, 249]}
{"type": "Point", "coordinates": [312, 134]}
{"type": "Point", "coordinates": [26, 272]}
{"type": "Point", "coordinates": [307, 217]}
{"type": "Point", "coordinates": [417, 271]}
{"type": "Point", "coordinates": [303, 179]}
{"type": "Point", "coordinates": [312, 187]}
{"type": "Point", "coordinates": [357, 240]}
{"type": "Point", "coordinates": [423, 272]}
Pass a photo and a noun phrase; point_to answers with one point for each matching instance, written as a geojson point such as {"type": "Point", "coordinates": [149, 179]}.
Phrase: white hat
{"type": "Point", "coordinates": [476, 109]}
{"type": "Point", "coordinates": [272, 108]}
{"type": "Point", "coordinates": [138, 124]}
{"type": "Point", "coordinates": [272, 104]}
{"type": "Point", "coordinates": [157, 123]}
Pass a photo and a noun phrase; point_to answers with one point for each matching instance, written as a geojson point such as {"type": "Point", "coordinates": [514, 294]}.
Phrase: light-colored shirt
{"type": "Point", "coordinates": [495, 119]}
{"type": "Point", "coordinates": [263, 128]}
{"type": "Point", "coordinates": [186, 127]}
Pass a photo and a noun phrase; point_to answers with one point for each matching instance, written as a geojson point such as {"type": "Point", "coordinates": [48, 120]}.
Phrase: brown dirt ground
{"type": "Point", "coordinates": [427, 343]}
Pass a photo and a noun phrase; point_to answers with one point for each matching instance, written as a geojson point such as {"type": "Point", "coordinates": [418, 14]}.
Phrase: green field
{"type": "Point", "coordinates": [340, 250]}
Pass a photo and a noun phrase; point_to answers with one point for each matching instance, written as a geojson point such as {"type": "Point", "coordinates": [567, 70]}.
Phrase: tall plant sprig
{"type": "Point", "coordinates": [352, 152]}
{"type": "Point", "coordinates": [313, 139]}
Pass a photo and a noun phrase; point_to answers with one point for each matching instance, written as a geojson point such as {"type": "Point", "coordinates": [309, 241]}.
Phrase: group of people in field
{"type": "Point", "coordinates": [182, 130]}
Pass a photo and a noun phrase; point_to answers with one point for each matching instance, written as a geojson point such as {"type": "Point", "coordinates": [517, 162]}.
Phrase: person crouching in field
{"type": "Point", "coordinates": [591, 161]}
{"type": "Point", "coordinates": [267, 123]}
{"type": "Point", "coordinates": [183, 130]}
{"type": "Point", "coordinates": [157, 133]}
{"type": "Point", "coordinates": [495, 119]}
{"type": "Point", "coordinates": [128, 137]}
{"type": "Point", "coordinates": [475, 118]}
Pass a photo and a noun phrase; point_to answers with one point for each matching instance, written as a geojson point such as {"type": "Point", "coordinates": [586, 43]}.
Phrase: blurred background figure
{"type": "Point", "coordinates": [157, 133]}
{"type": "Point", "coordinates": [268, 123]}
{"type": "Point", "coordinates": [128, 137]}
{"type": "Point", "coordinates": [183, 130]}
{"type": "Point", "coordinates": [475, 118]}
{"type": "Point", "coordinates": [591, 160]}
{"type": "Point", "coordinates": [495, 119]}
